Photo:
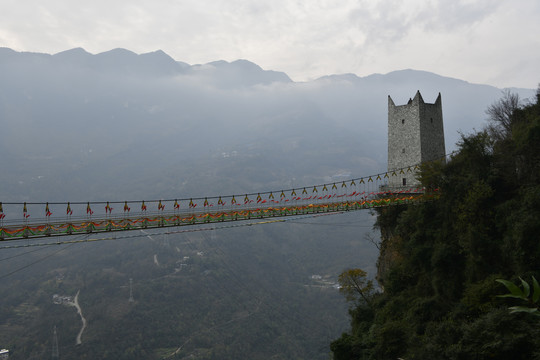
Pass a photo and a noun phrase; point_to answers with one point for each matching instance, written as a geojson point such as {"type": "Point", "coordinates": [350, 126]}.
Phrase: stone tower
{"type": "Point", "coordinates": [415, 135]}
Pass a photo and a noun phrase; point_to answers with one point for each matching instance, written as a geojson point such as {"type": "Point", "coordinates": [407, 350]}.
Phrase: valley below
{"type": "Point", "coordinates": [258, 292]}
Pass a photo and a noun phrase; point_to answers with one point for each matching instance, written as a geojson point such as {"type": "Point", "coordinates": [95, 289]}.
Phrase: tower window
{"type": "Point", "coordinates": [431, 120]}
{"type": "Point", "coordinates": [403, 150]}
{"type": "Point", "coordinates": [403, 121]}
{"type": "Point", "coordinates": [404, 181]}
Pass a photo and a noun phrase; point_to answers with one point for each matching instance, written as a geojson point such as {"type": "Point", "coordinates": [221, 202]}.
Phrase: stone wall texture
{"type": "Point", "coordinates": [415, 135]}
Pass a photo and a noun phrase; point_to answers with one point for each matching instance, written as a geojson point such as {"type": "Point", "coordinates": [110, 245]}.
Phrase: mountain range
{"type": "Point", "coordinates": [116, 125]}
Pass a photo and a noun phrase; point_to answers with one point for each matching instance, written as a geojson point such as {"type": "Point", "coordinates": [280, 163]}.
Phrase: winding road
{"type": "Point", "coordinates": [79, 311]}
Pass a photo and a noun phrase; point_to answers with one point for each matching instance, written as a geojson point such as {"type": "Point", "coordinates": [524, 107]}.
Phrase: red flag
{"type": "Point", "coordinates": [47, 211]}
{"type": "Point", "coordinates": [25, 210]}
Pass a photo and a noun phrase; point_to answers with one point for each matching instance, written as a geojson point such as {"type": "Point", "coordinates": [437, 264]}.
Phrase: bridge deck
{"type": "Point", "coordinates": [208, 212]}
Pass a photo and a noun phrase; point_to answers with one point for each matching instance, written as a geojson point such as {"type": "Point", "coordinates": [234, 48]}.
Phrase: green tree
{"type": "Point", "coordinates": [356, 287]}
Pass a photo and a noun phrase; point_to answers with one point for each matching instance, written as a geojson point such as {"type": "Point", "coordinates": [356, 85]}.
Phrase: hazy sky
{"type": "Point", "coordinates": [495, 42]}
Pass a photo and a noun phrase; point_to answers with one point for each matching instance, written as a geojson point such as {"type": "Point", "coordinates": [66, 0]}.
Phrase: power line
{"type": "Point", "coordinates": [22, 254]}
{"type": "Point", "coordinates": [35, 262]}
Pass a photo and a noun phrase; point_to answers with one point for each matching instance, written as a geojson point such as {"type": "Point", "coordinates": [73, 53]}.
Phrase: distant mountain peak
{"type": "Point", "coordinates": [77, 50]}
{"type": "Point", "coordinates": [347, 77]}
{"type": "Point", "coordinates": [217, 63]}
{"type": "Point", "coordinates": [117, 52]}
{"type": "Point", "coordinates": [246, 64]}
{"type": "Point", "coordinates": [158, 56]}
{"type": "Point", "coordinates": [74, 56]}
{"type": "Point", "coordinates": [6, 50]}
{"type": "Point", "coordinates": [416, 75]}
{"type": "Point", "coordinates": [241, 73]}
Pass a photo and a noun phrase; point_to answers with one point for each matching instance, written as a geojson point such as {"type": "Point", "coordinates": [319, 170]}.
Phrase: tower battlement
{"type": "Point", "coordinates": [415, 135]}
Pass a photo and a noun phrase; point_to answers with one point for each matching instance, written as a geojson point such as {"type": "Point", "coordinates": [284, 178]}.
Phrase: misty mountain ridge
{"type": "Point", "coordinates": [157, 63]}
{"type": "Point", "coordinates": [160, 63]}
{"type": "Point", "coordinates": [73, 119]}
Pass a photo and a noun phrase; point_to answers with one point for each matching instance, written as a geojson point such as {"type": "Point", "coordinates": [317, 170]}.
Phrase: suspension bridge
{"type": "Point", "coordinates": [28, 220]}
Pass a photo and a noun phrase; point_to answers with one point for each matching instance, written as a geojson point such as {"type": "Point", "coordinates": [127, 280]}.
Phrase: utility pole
{"type": "Point", "coordinates": [131, 299]}
{"type": "Point", "coordinates": [55, 354]}
{"type": "Point", "coordinates": [166, 239]}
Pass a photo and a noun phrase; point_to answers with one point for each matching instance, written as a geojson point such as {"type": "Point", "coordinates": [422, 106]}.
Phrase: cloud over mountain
{"type": "Point", "coordinates": [117, 124]}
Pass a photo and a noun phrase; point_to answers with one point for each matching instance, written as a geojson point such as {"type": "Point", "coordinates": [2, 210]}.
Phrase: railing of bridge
{"type": "Point", "coordinates": [32, 220]}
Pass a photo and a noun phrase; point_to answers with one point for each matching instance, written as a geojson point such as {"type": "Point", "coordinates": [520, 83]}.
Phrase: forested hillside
{"type": "Point", "coordinates": [242, 292]}
{"type": "Point", "coordinates": [439, 261]}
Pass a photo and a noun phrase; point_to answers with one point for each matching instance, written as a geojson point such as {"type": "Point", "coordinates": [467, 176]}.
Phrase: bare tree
{"type": "Point", "coordinates": [500, 114]}
{"type": "Point", "coordinates": [374, 239]}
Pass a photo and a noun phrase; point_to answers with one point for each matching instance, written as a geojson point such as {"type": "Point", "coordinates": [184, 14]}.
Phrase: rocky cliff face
{"type": "Point", "coordinates": [390, 253]}
{"type": "Point", "coordinates": [388, 256]}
